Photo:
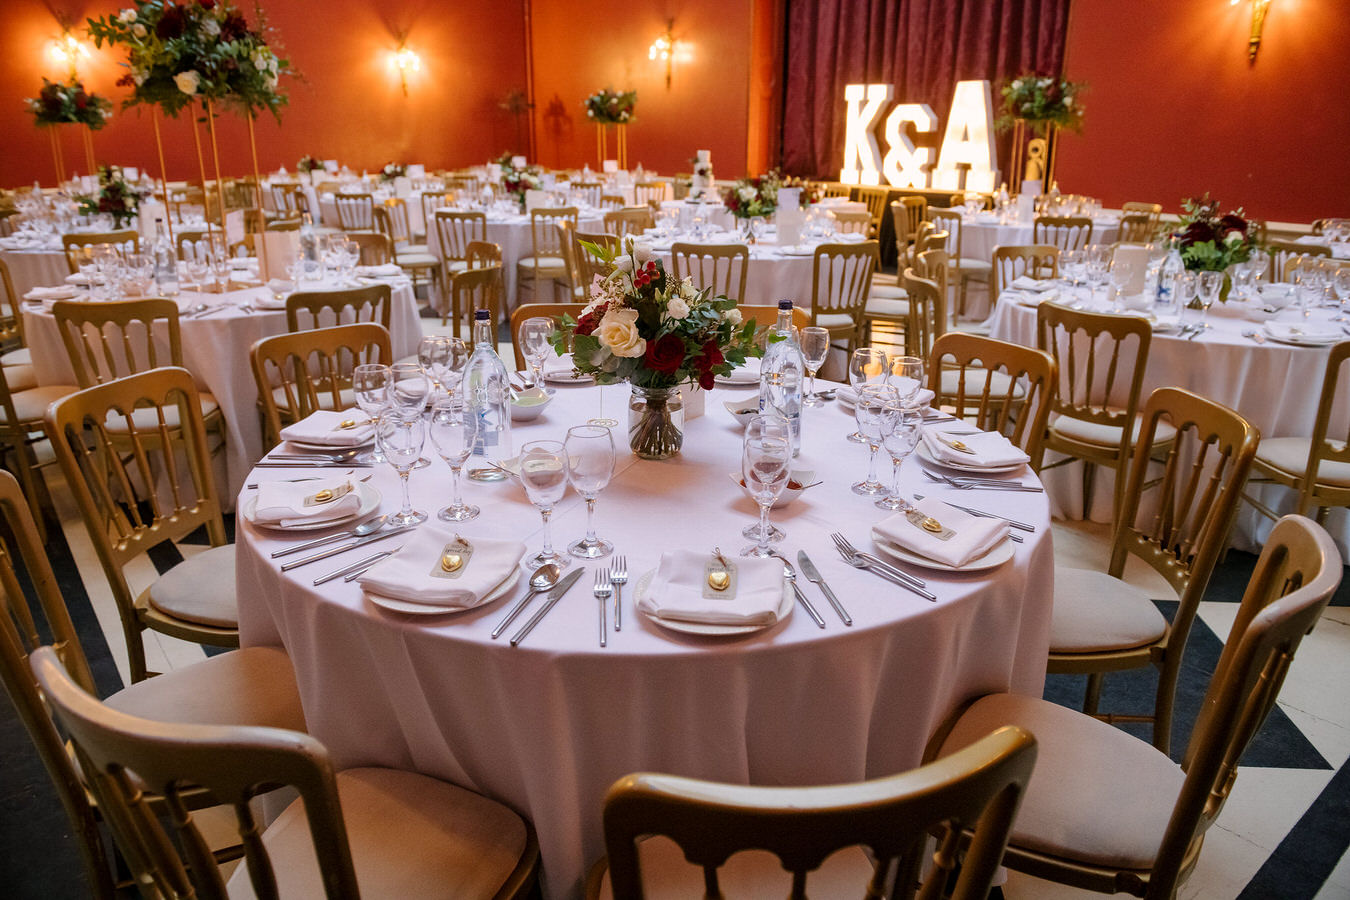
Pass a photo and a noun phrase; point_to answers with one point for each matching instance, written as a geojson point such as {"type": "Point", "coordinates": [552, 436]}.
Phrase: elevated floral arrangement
{"type": "Point", "coordinates": [1210, 242]}
{"type": "Point", "coordinates": [178, 53]}
{"type": "Point", "coordinates": [1042, 101]}
{"type": "Point", "coordinates": [115, 197]}
{"type": "Point", "coordinates": [67, 104]}
{"type": "Point", "coordinates": [810, 190]}
{"type": "Point", "coordinates": [392, 171]}
{"type": "Point", "coordinates": [752, 197]}
{"type": "Point", "coordinates": [611, 107]}
{"type": "Point", "coordinates": [309, 164]}
{"type": "Point", "coordinates": [516, 180]}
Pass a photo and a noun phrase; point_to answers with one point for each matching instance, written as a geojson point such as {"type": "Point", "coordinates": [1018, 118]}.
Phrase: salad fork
{"type": "Point", "coordinates": [618, 573]}
{"type": "Point", "coordinates": [603, 588]}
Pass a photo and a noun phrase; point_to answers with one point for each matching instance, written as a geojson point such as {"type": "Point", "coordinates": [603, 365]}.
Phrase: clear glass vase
{"type": "Point", "coordinates": [655, 422]}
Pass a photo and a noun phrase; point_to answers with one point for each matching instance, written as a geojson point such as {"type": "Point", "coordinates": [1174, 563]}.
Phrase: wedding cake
{"type": "Point", "coordinates": [702, 183]}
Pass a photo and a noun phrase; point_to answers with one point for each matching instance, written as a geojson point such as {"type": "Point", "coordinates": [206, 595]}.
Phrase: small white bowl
{"type": "Point", "coordinates": [743, 410]}
{"type": "Point", "coordinates": [1277, 295]}
{"type": "Point", "coordinates": [527, 405]}
{"type": "Point", "coordinates": [797, 482]}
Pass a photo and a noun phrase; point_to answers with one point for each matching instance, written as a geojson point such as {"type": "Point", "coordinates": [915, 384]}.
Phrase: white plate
{"type": "Point", "coordinates": [330, 448]}
{"type": "Point", "coordinates": [567, 378]}
{"type": "Point", "coordinates": [370, 501]}
{"type": "Point", "coordinates": [796, 250]}
{"type": "Point", "coordinates": [925, 455]}
{"type": "Point", "coordinates": [644, 582]}
{"type": "Point", "coordinates": [997, 556]}
{"type": "Point", "coordinates": [742, 377]}
{"type": "Point", "coordinates": [1284, 334]}
{"type": "Point", "coordinates": [426, 609]}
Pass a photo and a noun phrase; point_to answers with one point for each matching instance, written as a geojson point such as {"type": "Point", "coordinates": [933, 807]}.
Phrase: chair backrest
{"type": "Point", "coordinates": [528, 310]}
{"type": "Point", "coordinates": [1284, 253]}
{"type": "Point", "coordinates": [588, 264]}
{"type": "Point", "coordinates": [927, 313]}
{"type": "Point", "coordinates": [456, 230]}
{"type": "Point", "coordinates": [395, 220]}
{"type": "Point", "coordinates": [431, 202]}
{"type": "Point", "coordinates": [1136, 228]}
{"type": "Point", "coordinates": [11, 319]}
{"type": "Point", "coordinates": [906, 215]}
{"type": "Point", "coordinates": [1297, 572]}
{"type": "Point", "coordinates": [841, 276]}
{"type": "Point", "coordinates": [122, 454]}
{"type": "Point", "coordinates": [998, 386]}
{"type": "Point", "coordinates": [612, 202]}
{"type": "Point", "coordinates": [722, 267]}
{"type": "Point", "coordinates": [649, 193]}
{"type": "Point", "coordinates": [589, 192]}
{"type": "Point", "coordinates": [567, 249]}
{"type": "Point", "coordinates": [300, 372]}
{"type": "Point", "coordinates": [1064, 232]}
{"type": "Point", "coordinates": [977, 790]}
{"type": "Point", "coordinates": [1152, 210]}
{"type": "Point", "coordinates": [1032, 260]}
{"type": "Point", "coordinates": [874, 198]}
{"type": "Point", "coordinates": [1325, 447]}
{"type": "Point", "coordinates": [764, 317]}
{"type": "Point", "coordinates": [322, 309]}
{"type": "Point", "coordinates": [190, 241]}
{"type": "Point", "coordinates": [288, 199]}
{"type": "Point", "coordinates": [376, 248]}
{"type": "Point", "coordinates": [105, 341]}
{"type": "Point", "coordinates": [544, 231]}
{"type": "Point", "coordinates": [847, 222]}
{"type": "Point", "coordinates": [483, 253]}
{"type": "Point", "coordinates": [629, 220]}
{"type": "Point", "coordinates": [168, 856]}
{"type": "Point", "coordinates": [285, 225]}
{"type": "Point", "coordinates": [948, 220]}
{"type": "Point", "coordinates": [126, 240]}
{"type": "Point", "coordinates": [356, 211]}
{"type": "Point", "coordinates": [476, 288]}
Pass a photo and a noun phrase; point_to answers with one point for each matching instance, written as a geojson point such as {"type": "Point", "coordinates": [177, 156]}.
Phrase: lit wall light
{"type": "Point", "coordinates": [68, 52]}
{"type": "Point", "coordinates": [406, 62]}
{"type": "Point", "coordinates": [1259, 10]}
{"type": "Point", "coordinates": [663, 49]}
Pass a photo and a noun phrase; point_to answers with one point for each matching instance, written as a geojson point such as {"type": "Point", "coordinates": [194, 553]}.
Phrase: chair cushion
{"type": "Point", "coordinates": [146, 418]}
{"type": "Point", "coordinates": [200, 589]}
{"type": "Point", "coordinates": [1106, 435]}
{"type": "Point", "coordinates": [20, 378]}
{"type": "Point", "coordinates": [1098, 794]}
{"type": "Point", "coordinates": [886, 292]}
{"type": "Point", "coordinates": [31, 405]}
{"type": "Point", "coordinates": [885, 306]}
{"type": "Point", "coordinates": [408, 259]}
{"type": "Point", "coordinates": [975, 379]}
{"type": "Point", "coordinates": [976, 269]}
{"type": "Point", "coordinates": [834, 320]}
{"type": "Point", "coordinates": [749, 873]}
{"type": "Point", "coordinates": [21, 357]}
{"type": "Point", "coordinates": [543, 263]}
{"type": "Point", "coordinates": [1094, 611]}
{"type": "Point", "coordinates": [346, 395]}
{"type": "Point", "coordinates": [456, 265]}
{"type": "Point", "coordinates": [410, 836]}
{"type": "Point", "coordinates": [251, 686]}
{"type": "Point", "coordinates": [1290, 455]}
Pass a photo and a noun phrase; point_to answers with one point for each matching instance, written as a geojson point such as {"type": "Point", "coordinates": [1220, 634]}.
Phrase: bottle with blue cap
{"type": "Point", "coordinates": [782, 373]}
{"type": "Point", "coordinates": [486, 388]}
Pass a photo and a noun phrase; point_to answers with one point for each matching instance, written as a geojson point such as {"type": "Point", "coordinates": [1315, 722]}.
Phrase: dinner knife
{"type": "Point", "coordinates": [359, 542]}
{"type": "Point", "coordinates": [355, 568]}
{"type": "Point", "coordinates": [813, 575]}
{"type": "Point", "coordinates": [553, 597]}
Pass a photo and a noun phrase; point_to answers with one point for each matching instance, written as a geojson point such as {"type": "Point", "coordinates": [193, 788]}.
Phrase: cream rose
{"type": "Point", "coordinates": [623, 263]}
{"type": "Point", "coordinates": [677, 308]}
{"type": "Point", "coordinates": [733, 316]}
{"type": "Point", "coordinates": [138, 30]}
{"type": "Point", "coordinates": [188, 81]}
{"type": "Point", "coordinates": [618, 331]}
{"type": "Point", "coordinates": [127, 16]}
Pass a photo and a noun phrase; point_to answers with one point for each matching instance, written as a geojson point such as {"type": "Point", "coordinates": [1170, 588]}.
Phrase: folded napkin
{"type": "Point", "coordinates": [848, 395]}
{"type": "Point", "coordinates": [81, 278]}
{"type": "Point", "coordinates": [1306, 332]}
{"type": "Point", "coordinates": [1023, 283]}
{"type": "Point", "coordinates": [676, 591]}
{"type": "Point", "coordinates": [60, 292]}
{"type": "Point", "coordinates": [282, 503]}
{"type": "Point", "coordinates": [991, 449]}
{"type": "Point", "coordinates": [414, 573]}
{"type": "Point", "coordinates": [975, 536]}
{"type": "Point", "coordinates": [387, 270]}
{"type": "Point", "coordinates": [747, 373]}
{"type": "Point", "coordinates": [325, 427]}
{"type": "Point", "coordinates": [559, 367]}
{"type": "Point", "coordinates": [1035, 298]}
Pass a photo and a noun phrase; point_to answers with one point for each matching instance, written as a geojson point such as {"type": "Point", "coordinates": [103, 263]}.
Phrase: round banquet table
{"type": "Point", "coordinates": [34, 267]}
{"type": "Point", "coordinates": [547, 726]}
{"type": "Point", "coordinates": [1275, 386]}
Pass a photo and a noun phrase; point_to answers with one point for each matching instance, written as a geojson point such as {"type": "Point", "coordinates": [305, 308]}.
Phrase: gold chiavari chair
{"type": "Point", "coordinates": [525, 311]}
{"type": "Point", "coordinates": [612, 202]}
{"type": "Point", "coordinates": [722, 267]}
{"type": "Point", "coordinates": [649, 193]}
{"type": "Point", "coordinates": [14, 351]}
{"type": "Point", "coordinates": [1284, 253]}
{"type": "Point", "coordinates": [907, 214]}
{"type": "Point", "coordinates": [1063, 232]}
{"type": "Point", "coordinates": [22, 405]}
{"type": "Point", "coordinates": [567, 247]}
{"type": "Point", "coordinates": [765, 317]}
{"type": "Point", "coordinates": [1136, 228]}
{"type": "Point", "coordinates": [588, 264]}
{"type": "Point", "coordinates": [874, 198]}
{"type": "Point", "coordinates": [292, 225]}
{"type": "Point", "coordinates": [589, 192]}
{"type": "Point", "coordinates": [1031, 260]}
{"type": "Point", "coordinates": [375, 249]}
{"type": "Point", "coordinates": [840, 277]}
{"type": "Point", "coordinates": [629, 221]}
{"type": "Point", "coordinates": [834, 189]}
{"type": "Point", "coordinates": [288, 200]}
{"type": "Point", "coordinates": [474, 289]}
{"type": "Point", "coordinates": [455, 230]}
{"type": "Point", "coordinates": [546, 261]}
{"type": "Point", "coordinates": [430, 202]}
{"type": "Point", "coordinates": [963, 269]}
{"type": "Point", "coordinates": [126, 240]}
{"type": "Point", "coordinates": [483, 253]}
{"type": "Point", "coordinates": [356, 211]}
{"type": "Point", "coordinates": [391, 219]}
{"type": "Point", "coordinates": [846, 222]}
{"type": "Point", "coordinates": [1152, 210]}
{"type": "Point", "coordinates": [306, 310]}
{"type": "Point", "coordinates": [926, 318]}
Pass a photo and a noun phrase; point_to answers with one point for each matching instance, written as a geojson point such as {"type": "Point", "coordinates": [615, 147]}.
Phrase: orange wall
{"type": "Point", "coordinates": [1175, 110]}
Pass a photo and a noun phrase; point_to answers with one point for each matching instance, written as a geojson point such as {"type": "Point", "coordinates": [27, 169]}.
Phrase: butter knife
{"type": "Point", "coordinates": [343, 548]}
{"type": "Point", "coordinates": [553, 597]}
{"type": "Point", "coordinates": [813, 575]}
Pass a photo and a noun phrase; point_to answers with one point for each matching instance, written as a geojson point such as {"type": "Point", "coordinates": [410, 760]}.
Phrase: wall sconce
{"type": "Point", "coordinates": [406, 61]}
{"type": "Point", "coordinates": [1259, 10]}
{"type": "Point", "coordinates": [663, 48]}
{"type": "Point", "coordinates": [68, 51]}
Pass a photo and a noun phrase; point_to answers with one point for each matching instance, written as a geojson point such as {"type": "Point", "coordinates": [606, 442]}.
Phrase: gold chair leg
{"type": "Point", "coordinates": [1093, 696]}
{"type": "Point", "coordinates": [1162, 710]}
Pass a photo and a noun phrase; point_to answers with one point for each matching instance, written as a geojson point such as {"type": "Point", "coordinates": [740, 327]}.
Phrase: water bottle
{"type": "Point", "coordinates": [781, 374]}
{"type": "Point", "coordinates": [311, 266]}
{"type": "Point", "coordinates": [166, 262]}
{"type": "Point", "coordinates": [487, 390]}
{"type": "Point", "coordinates": [1171, 270]}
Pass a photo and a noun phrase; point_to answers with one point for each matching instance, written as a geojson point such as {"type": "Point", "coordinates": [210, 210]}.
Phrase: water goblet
{"type": "Point", "coordinates": [871, 413]}
{"type": "Point", "coordinates": [437, 354]}
{"type": "Point", "coordinates": [867, 365]}
{"type": "Point", "coordinates": [590, 465]}
{"type": "Point", "coordinates": [543, 473]}
{"type": "Point", "coordinates": [1241, 273]}
{"type": "Point", "coordinates": [1098, 264]}
{"type": "Point", "coordinates": [1120, 277]}
{"type": "Point", "coordinates": [1071, 267]}
{"type": "Point", "coordinates": [408, 387]}
{"type": "Point", "coordinates": [370, 387]}
{"type": "Point", "coordinates": [906, 377]}
{"type": "Point", "coordinates": [453, 430]}
{"type": "Point", "coordinates": [1259, 262]}
{"type": "Point", "coordinates": [1208, 285]}
{"type": "Point", "coordinates": [1341, 284]}
{"type": "Point", "coordinates": [902, 426]}
{"type": "Point", "coordinates": [534, 344]}
{"type": "Point", "coordinates": [1308, 284]}
{"type": "Point", "coordinates": [400, 435]}
{"type": "Point", "coordinates": [758, 226]}
{"type": "Point", "coordinates": [766, 458]}
{"type": "Point", "coordinates": [1186, 287]}
{"type": "Point", "coordinates": [815, 349]}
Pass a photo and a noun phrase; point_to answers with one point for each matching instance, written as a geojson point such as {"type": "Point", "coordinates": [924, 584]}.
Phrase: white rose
{"type": "Point", "coordinates": [623, 263]}
{"type": "Point", "coordinates": [733, 316]}
{"type": "Point", "coordinates": [618, 331]}
{"type": "Point", "coordinates": [643, 253]}
{"type": "Point", "coordinates": [747, 193]}
{"type": "Point", "coordinates": [188, 81]}
{"type": "Point", "coordinates": [271, 82]}
{"type": "Point", "coordinates": [677, 308]}
{"type": "Point", "coordinates": [260, 61]}
{"type": "Point", "coordinates": [127, 16]}
{"type": "Point", "coordinates": [138, 30]}
{"type": "Point", "coordinates": [138, 77]}
{"type": "Point", "coordinates": [1068, 101]}
{"type": "Point", "coordinates": [687, 290]}
{"type": "Point", "coordinates": [210, 27]}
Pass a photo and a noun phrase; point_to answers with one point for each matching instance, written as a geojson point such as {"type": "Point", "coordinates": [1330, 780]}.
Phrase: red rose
{"type": "Point", "coordinates": [170, 24]}
{"type": "Point", "coordinates": [208, 4]}
{"type": "Point", "coordinates": [81, 99]}
{"type": "Point", "coordinates": [1231, 222]}
{"type": "Point", "coordinates": [665, 354]}
{"type": "Point", "coordinates": [234, 27]}
{"type": "Point", "coordinates": [712, 355]}
{"type": "Point", "coordinates": [707, 381]}
{"type": "Point", "coordinates": [589, 322]}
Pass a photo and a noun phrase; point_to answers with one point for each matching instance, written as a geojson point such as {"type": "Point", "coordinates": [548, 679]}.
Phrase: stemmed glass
{"type": "Point", "coordinates": [543, 472]}
{"type": "Point", "coordinates": [590, 464]}
{"type": "Point", "coordinates": [453, 431]}
{"type": "Point", "coordinates": [902, 426]}
{"type": "Point", "coordinates": [1120, 277]}
{"type": "Point", "coordinates": [442, 359]}
{"type": "Point", "coordinates": [907, 377]}
{"type": "Point", "coordinates": [370, 386]}
{"type": "Point", "coordinates": [1208, 285]}
{"type": "Point", "coordinates": [408, 387]}
{"type": "Point", "coordinates": [1098, 263]}
{"type": "Point", "coordinates": [1308, 284]}
{"type": "Point", "coordinates": [815, 348]}
{"type": "Point", "coordinates": [400, 435]}
{"type": "Point", "coordinates": [534, 334]}
{"type": "Point", "coordinates": [1341, 284]}
{"type": "Point", "coordinates": [1071, 267]}
{"type": "Point", "coordinates": [1187, 287]}
{"type": "Point", "coordinates": [1259, 262]}
{"type": "Point", "coordinates": [766, 457]}
{"type": "Point", "coordinates": [870, 411]}
{"type": "Point", "coordinates": [867, 365]}
{"type": "Point", "coordinates": [1241, 273]}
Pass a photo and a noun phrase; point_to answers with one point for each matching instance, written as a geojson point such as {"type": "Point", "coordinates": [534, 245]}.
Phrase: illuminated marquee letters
{"type": "Point", "coordinates": [860, 144]}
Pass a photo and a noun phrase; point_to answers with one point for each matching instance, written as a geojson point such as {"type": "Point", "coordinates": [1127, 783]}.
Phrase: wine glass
{"type": "Point", "coordinates": [1259, 262]}
{"type": "Point", "coordinates": [1098, 264]}
{"type": "Point", "coordinates": [543, 472]}
{"type": "Point", "coordinates": [815, 348]}
{"type": "Point", "coordinates": [1186, 288]}
{"type": "Point", "coordinates": [867, 365]}
{"type": "Point", "coordinates": [1241, 273]}
{"type": "Point", "coordinates": [1341, 284]}
{"type": "Point", "coordinates": [1071, 267]}
{"type": "Point", "coordinates": [1120, 277]}
{"type": "Point", "coordinates": [370, 387]}
{"type": "Point", "coordinates": [400, 435]}
{"type": "Point", "coordinates": [408, 387]}
{"type": "Point", "coordinates": [437, 354]}
{"type": "Point", "coordinates": [766, 457]}
{"type": "Point", "coordinates": [1208, 285]}
{"type": "Point", "coordinates": [453, 430]}
{"type": "Point", "coordinates": [870, 412]}
{"type": "Point", "coordinates": [907, 377]}
{"type": "Point", "coordinates": [534, 344]}
{"type": "Point", "coordinates": [902, 426]}
{"type": "Point", "coordinates": [1308, 284]}
{"type": "Point", "coordinates": [590, 464]}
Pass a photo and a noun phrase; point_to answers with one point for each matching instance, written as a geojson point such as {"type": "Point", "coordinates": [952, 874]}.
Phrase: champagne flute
{"type": "Point", "coordinates": [534, 344]}
{"type": "Point", "coordinates": [867, 365]}
{"type": "Point", "coordinates": [370, 387]}
{"type": "Point", "coordinates": [590, 465]}
{"type": "Point", "coordinates": [815, 349]}
{"type": "Point", "coordinates": [453, 430]}
{"type": "Point", "coordinates": [766, 458]}
{"type": "Point", "coordinates": [400, 435]}
{"type": "Point", "coordinates": [907, 377]}
{"type": "Point", "coordinates": [870, 412]}
{"type": "Point", "coordinates": [543, 473]}
{"type": "Point", "coordinates": [902, 426]}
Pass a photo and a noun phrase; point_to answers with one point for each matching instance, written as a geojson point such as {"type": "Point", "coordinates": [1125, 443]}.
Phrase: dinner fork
{"type": "Point", "coordinates": [618, 573]}
{"type": "Point", "coordinates": [845, 547]}
{"type": "Point", "coordinates": [603, 588]}
{"type": "Point", "coordinates": [858, 563]}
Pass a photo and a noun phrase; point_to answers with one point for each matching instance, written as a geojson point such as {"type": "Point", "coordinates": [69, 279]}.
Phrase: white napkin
{"type": "Point", "coordinates": [992, 449]}
{"type": "Point", "coordinates": [407, 575]}
{"type": "Point", "coordinates": [847, 394]}
{"type": "Point", "coordinates": [1035, 298]}
{"type": "Point", "coordinates": [559, 367]}
{"type": "Point", "coordinates": [324, 427]}
{"type": "Point", "coordinates": [1023, 283]}
{"type": "Point", "coordinates": [81, 278]}
{"type": "Point", "coordinates": [747, 373]}
{"type": "Point", "coordinates": [60, 292]}
{"type": "Point", "coordinates": [282, 503]}
{"type": "Point", "coordinates": [387, 270]}
{"type": "Point", "coordinates": [676, 591]}
{"type": "Point", "coordinates": [1305, 332]}
{"type": "Point", "coordinates": [975, 536]}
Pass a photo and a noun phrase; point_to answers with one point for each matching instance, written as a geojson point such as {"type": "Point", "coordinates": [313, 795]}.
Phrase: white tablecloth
{"type": "Point", "coordinates": [1276, 387]}
{"type": "Point", "coordinates": [34, 268]}
{"type": "Point", "coordinates": [548, 726]}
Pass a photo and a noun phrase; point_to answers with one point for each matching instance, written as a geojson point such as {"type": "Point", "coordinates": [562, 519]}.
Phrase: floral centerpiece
{"type": "Point", "coordinates": [810, 190]}
{"type": "Point", "coordinates": [1210, 242]}
{"type": "Point", "coordinates": [178, 53]}
{"type": "Point", "coordinates": [1042, 101]}
{"type": "Point", "coordinates": [644, 327]}
{"type": "Point", "coordinates": [516, 180]}
{"type": "Point", "coordinates": [611, 107]}
{"type": "Point", "coordinates": [115, 197]}
{"type": "Point", "coordinates": [752, 197]}
{"type": "Point", "coordinates": [309, 164]}
{"type": "Point", "coordinates": [69, 103]}
{"type": "Point", "coordinates": [392, 171]}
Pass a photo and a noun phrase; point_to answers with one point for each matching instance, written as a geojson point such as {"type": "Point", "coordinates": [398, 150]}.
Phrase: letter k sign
{"type": "Point", "coordinates": [862, 158]}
